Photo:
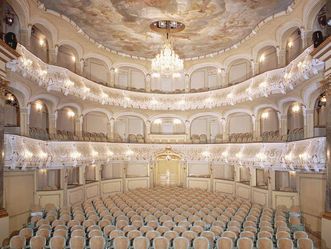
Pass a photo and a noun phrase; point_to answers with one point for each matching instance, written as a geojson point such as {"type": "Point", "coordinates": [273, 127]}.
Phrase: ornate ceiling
{"type": "Point", "coordinates": [211, 25]}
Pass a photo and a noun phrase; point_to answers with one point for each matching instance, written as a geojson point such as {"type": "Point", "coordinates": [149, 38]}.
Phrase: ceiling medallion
{"type": "Point", "coordinates": [167, 62]}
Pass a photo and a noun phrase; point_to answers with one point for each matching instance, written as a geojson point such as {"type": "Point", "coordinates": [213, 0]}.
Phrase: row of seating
{"type": "Point", "coordinates": [296, 134]}
{"type": "Point", "coordinates": [168, 217]}
{"type": "Point", "coordinates": [241, 137]}
{"type": "Point", "coordinates": [273, 136]}
{"type": "Point", "coordinates": [39, 133]}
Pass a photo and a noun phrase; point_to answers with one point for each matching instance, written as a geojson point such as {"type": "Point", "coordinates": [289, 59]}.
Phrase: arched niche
{"type": "Point", "coordinates": [320, 115]}
{"type": "Point", "coordinates": [11, 113]}
{"type": "Point", "coordinates": [39, 42]}
{"type": "Point", "coordinates": [95, 122]}
{"type": "Point", "coordinates": [66, 118]}
{"type": "Point", "coordinates": [239, 71]}
{"type": "Point", "coordinates": [167, 125]}
{"type": "Point", "coordinates": [207, 127]}
{"type": "Point", "coordinates": [267, 59]}
{"type": "Point", "coordinates": [269, 121]}
{"type": "Point", "coordinates": [204, 79]}
{"type": "Point", "coordinates": [130, 78]}
{"type": "Point", "coordinates": [96, 70]}
{"type": "Point", "coordinates": [67, 57]}
{"type": "Point", "coordinates": [130, 128]}
{"type": "Point", "coordinates": [293, 45]}
{"type": "Point", "coordinates": [39, 119]}
{"type": "Point", "coordinates": [11, 22]}
{"type": "Point", "coordinates": [295, 121]}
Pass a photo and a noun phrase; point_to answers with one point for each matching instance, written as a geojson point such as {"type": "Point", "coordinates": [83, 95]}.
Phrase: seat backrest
{"type": "Point", "coordinates": [141, 243]}
{"type": "Point", "coordinates": [160, 243]}
{"type": "Point", "coordinates": [300, 235]}
{"type": "Point", "coordinates": [57, 242]}
{"type": "Point", "coordinates": [285, 243]}
{"type": "Point", "coordinates": [26, 233]}
{"type": "Point", "coordinates": [77, 242]}
{"type": "Point", "coordinates": [181, 243]}
{"type": "Point", "coordinates": [37, 242]}
{"type": "Point", "coordinates": [224, 243]}
{"type": "Point", "coordinates": [245, 243]}
{"type": "Point", "coordinates": [97, 242]}
{"type": "Point", "coordinates": [305, 243]}
{"type": "Point", "coordinates": [17, 242]}
{"type": "Point", "coordinates": [264, 243]}
{"type": "Point", "coordinates": [201, 243]}
{"type": "Point", "coordinates": [264, 234]}
{"type": "Point", "coordinates": [121, 242]}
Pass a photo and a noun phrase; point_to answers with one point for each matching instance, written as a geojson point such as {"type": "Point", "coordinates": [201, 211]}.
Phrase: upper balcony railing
{"type": "Point", "coordinates": [269, 83]}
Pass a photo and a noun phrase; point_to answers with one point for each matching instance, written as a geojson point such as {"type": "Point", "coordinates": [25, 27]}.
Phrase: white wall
{"type": "Point", "coordinates": [66, 57]}
{"type": "Point", "coordinates": [295, 50]}
{"type": "Point", "coordinates": [199, 169]}
{"type": "Point", "coordinates": [240, 123]}
{"type": "Point", "coordinates": [95, 122]}
{"type": "Point", "coordinates": [129, 77]}
{"type": "Point", "coordinates": [239, 70]}
{"type": "Point", "coordinates": [137, 169]}
{"type": "Point", "coordinates": [96, 70]}
{"type": "Point", "coordinates": [126, 125]}
{"type": "Point", "coordinates": [271, 60]}
{"type": "Point", "coordinates": [63, 122]}
{"type": "Point", "coordinates": [167, 126]}
{"type": "Point", "coordinates": [204, 78]}
{"type": "Point", "coordinates": [207, 125]}
{"type": "Point", "coordinates": [271, 123]}
{"type": "Point", "coordinates": [223, 171]}
{"type": "Point", "coordinates": [40, 51]}
{"type": "Point", "coordinates": [38, 119]}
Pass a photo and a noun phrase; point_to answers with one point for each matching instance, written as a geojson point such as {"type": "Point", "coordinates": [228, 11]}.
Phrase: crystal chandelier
{"type": "Point", "coordinates": [167, 62]}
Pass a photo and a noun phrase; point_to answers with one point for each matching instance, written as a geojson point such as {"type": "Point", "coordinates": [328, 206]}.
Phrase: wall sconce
{"type": "Point", "coordinates": [323, 99]}
{"type": "Point", "coordinates": [71, 113]}
{"type": "Point", "coordinates": [265, 115]}
{"type": "Point", "coordinates": [9, 18]}
{"type": "Point", "coordinates": [296, 108]}
{"type": "Point", "coordinates": [38, 106]}
{"type": "Point", "coordinates": [290, 44]}
{"type": "Point", "coordinates": [42, 42]}
{"type": "Point", "coordinates": [158, 121]}
{"type": "Point", "coordinates": [262, 58]}
{"type": "Point", "coordinates": [176, 121]}
{"type": "Point", "coordinates": [73, 58]}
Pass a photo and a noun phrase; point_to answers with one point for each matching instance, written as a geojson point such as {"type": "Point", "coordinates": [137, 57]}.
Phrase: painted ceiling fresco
{"type": "Point", "coordinates": [123, 25]}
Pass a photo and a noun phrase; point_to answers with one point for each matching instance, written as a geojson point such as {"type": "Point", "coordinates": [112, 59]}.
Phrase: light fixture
{"type": "Point", "coordinates": [10, 97]}
{"type": "Point", "coordinates": [42, 42]}
{"type": "Point", "coordinates": [71, 113]}
{"type": "Point", "coordinates": [9, 18]}
{"type": "Point", "coordinates": [262, 58]}
{"type": "Point", "coordinates": [158, 121]}
{"type": "Point", "coordinates": [296, 108]}
{"type": "Point", "coordinates": [73, 58]}
{"type": "Point", "coordinates": [290, 44]}
{"type": "Point", "coordinates": [265, 115]}
{"type": "Point", "coordinates": [323, 99]}
{"type": "Point", "coordinates": [39, 106]}
{"type": "Point", "coordinates": [167, 62]}
{"type": "Point", "coordinates": [176, 121]}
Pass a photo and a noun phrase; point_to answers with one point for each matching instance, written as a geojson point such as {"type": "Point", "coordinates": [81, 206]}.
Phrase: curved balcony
{"type": "Point", "coordinates": [278, 81]}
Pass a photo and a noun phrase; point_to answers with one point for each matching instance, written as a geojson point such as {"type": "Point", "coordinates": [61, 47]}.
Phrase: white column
{"type": "Point", "coordinates": [52, 123]}
{"type": "Point", "coordinates": [309, 128]}
{"type": "Point", "coordinates": [211, 170]}
{"type": "Point", "coordinates": [224, 130]}
{"type": "Point", "coordinates": [147, 130]}
{"type": "Point", "coordinates": [187, 82]}
{"type": "Point", "coordinates": [148, 82]}
{"type": "Point", "coordinates": [52, 53]}
{"type": "Point", "coordinates": [254, 127]}
{"type": "Point", "coordinates": [224, 81]}
{"type": "Point", "coordinates": [81, 67]}
{"type": "Point", "coordinates": [110, 129]}
{"type": "Point", "coordinates": [253, 179]}
{"type": "Point", "coordinates": [25, 120]}
{"type": "Point", "coordinates": [79, 126]}
{"type": "Point", "coordinates": [187, 131]}
{"type": "Point", "coordinates": [281, 56]}
{"type": "Point", "coordinates": [255, 67]}
{"type": "Point", "coordinates": [112, 77]}
{"type": "Point", "coordinates": [283, 125]}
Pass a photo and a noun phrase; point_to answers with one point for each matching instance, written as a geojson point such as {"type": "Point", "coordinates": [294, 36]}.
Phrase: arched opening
{"type": "Point", "coordinates": [240, 127]}
{"type": "Point", "coordinates": [11, 114]}
{"type": "Point", "coordinates": [295, 122]}
{"type": "Point", "coordinates": [67, 57]}
{"type": "Point", "coordinates": [168, 169]}
{"type": "Point", "coordinates": [66, 124]}
{"type": "Point", "coordinates": [320, 116]}
{"type": "Point", "coordinates": [239, 71]}
{"type": "Point", "coordinates": [48, 179]}
{"type": "Point", "coordinates": [204, 79]}
{"type": "Point", "coordinates": [96, 70]}
{"type": "Point", "coordinates": [11, 22]}
{"type": "Point", "coordinates": [168, 84]}
{"type": "Point", "coordinates": [129, 129]}
{"type": "Point", "coordinates": [167, 126]}
{"type": "Point", "coordinates": [244, 175]}
{"type": "Point", "coordinates": [293, 45]}
{"type": "Point", "coordinates": [39, 42]}
{"type": "Point", "coordinates": [269, 125]}
{"type": "Point", "coordinates": [320, 21]}
{"type": "Point", "coordinates": [267, 59]}
{"type": "Point", "coordinates": [39, 120]}
{"type": "Point", "coordinates": [205, 129]}
{"type": "Point", "coordinates": [95, 126]}
{"type": "Point", "coordinates": [130, 78]}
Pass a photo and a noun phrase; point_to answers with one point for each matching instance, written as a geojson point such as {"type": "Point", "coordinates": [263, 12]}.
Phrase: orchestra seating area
{"type": "Point", "coordinates": [164, 217]}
